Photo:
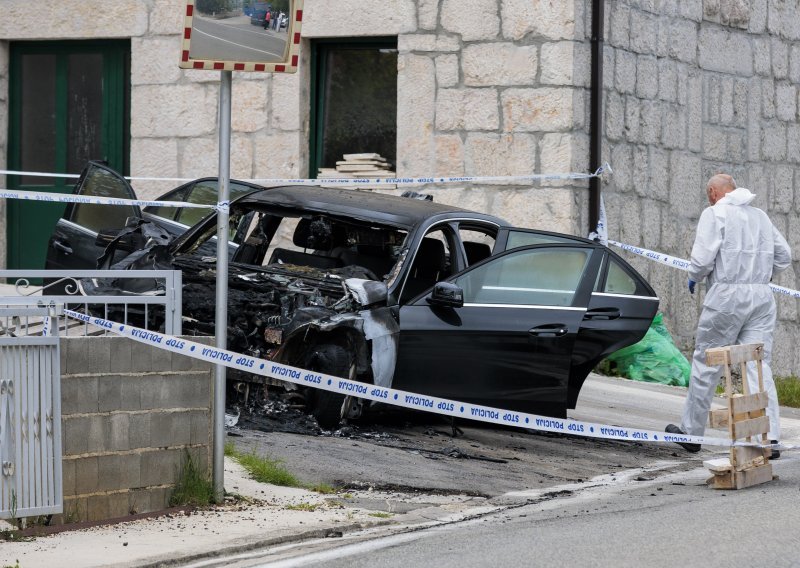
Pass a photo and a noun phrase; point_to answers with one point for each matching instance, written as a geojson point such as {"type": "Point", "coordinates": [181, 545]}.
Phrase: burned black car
{"type": "Point", "coordinates": [411, 294]}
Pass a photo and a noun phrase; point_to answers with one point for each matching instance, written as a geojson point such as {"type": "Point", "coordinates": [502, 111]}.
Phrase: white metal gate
{"type": "Point", "coordinates": [30, 424]}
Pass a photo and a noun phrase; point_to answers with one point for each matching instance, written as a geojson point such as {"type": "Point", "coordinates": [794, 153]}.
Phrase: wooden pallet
{"type": "Point", "coordinates": [745, 417]}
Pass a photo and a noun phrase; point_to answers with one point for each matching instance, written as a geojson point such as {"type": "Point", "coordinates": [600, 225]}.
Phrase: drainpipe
{"type": "Point", "coordinates": [596, 112]}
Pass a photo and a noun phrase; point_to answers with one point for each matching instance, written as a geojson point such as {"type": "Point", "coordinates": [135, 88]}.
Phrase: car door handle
{"type": "Point", "coordinates": [58, 245]}
{"type": "Point", "coordinates": [602, 314]}
{"type": "Point", "coordinates": [554, 329]}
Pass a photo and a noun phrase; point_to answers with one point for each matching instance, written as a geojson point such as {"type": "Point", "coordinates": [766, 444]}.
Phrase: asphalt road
{"type": "Point", "coordinates": [670, 521]}
{"type": "Point", "coordinates": [235, 39]}
{"type": "Point", "coordinates": [419, 453]}
{"type": "Point", "coordinates": [540, 500]}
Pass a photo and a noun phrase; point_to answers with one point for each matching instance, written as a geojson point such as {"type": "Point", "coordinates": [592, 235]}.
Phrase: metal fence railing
{"type": "Point", "coordinates": [30, 421]}
{"type": "Point", "coordinates": [158, 308]}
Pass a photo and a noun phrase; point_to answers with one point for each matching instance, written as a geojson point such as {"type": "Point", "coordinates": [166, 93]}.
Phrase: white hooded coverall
{"type": "Point", "coordinates": [738, 249]}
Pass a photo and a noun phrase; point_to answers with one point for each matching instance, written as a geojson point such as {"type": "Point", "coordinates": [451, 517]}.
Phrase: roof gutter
{"type": "Point", "coordinates": [596, 112]}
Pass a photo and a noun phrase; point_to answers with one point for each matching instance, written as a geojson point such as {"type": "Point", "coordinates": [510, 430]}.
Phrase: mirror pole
{"type": "Point", "coordinates": [221, 323]}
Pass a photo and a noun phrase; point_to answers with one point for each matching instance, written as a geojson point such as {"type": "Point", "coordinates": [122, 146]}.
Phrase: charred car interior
{"type": "Point", "coordinates": [391, 291]}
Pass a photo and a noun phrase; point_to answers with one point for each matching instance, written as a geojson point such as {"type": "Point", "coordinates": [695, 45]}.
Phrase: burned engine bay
{"type": "Point", "coordinates": [294, 282]}
{"type": "Point", "coordinates": [265, 306]}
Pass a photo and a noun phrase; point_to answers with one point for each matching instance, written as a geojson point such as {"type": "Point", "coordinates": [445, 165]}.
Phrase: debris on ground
{"type": "Point", "coordinates": [654, 359]}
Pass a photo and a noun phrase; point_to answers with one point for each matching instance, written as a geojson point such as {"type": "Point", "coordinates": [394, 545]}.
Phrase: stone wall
{"type": "Point", "coordinates": [491, 93]}
{"type": "Point", "coordinates": [692, 89]}
{"type": "Point", "coordinates": [487, 88]}
{"type": "Point", "coordinates": [130, 413]}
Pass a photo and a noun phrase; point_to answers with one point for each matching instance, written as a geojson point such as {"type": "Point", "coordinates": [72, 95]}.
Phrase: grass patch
{"type": "Point", "coordinates": [14, 536]}
{"type": "Point", "coordinates": [302, 507]}
{"type": "Point", "coordinates": [381, 515]}
{"type": "Point", "coordinates": [788, 391]}
{"type": "Point", "coordinates": [230, 449]}
{"type": "Point", "coordinates": [267, 470]}
{"type": "Point", "coordinates": [193, 487]}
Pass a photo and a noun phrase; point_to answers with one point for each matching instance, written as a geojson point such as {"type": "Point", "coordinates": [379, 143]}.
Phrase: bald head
{"type": "Point", "coordinates": [718, 185]}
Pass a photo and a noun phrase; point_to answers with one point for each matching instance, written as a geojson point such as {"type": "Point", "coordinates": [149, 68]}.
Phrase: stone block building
{"type": "Point", "coordinates": [447, 87]}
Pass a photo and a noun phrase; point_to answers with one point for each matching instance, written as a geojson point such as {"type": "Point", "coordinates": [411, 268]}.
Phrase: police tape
{"type": "Point", "coordinates": [361, 181]}
{"type": "Point", "coordinates": [415, 401]}
{"type": "Point", "coordinates": [225, 205]}
{"type": "Point", "coordinates": [95, 200]}
{"type": "Point", "coordinates": [684, 264]}
{"type": "Point", "coordinates": [76, 176]}
{"type": "Point", "coordinates": [440, 180]}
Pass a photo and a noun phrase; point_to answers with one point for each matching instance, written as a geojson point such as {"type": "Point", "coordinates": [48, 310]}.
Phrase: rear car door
{"type": "Point", "coordinates": [72, 244]}
{"type": "Point", "coordinates": [510, 345]}
{"type": "Point", "coordinates": [619, 312]}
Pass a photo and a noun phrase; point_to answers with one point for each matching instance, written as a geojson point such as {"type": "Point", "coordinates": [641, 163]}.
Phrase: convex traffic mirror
{"type": "Point", "coordinates": [242, 35]}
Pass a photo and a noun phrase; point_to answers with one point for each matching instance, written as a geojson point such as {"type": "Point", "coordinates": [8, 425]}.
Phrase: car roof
{"type": "Point", "coordinates": [402, 212]}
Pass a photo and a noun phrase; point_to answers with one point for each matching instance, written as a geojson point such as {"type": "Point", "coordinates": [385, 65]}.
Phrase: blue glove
{"type": "Point", "coordinates": [692, 284]}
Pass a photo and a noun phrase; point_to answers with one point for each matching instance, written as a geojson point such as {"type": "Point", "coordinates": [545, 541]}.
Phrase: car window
{"type": "Point", "coordinates": [103, 183]}
{"type": "Point", "coordinates": [478, 244]}
{"type": "Point", "coordinates": [618, 281]}
{"type": "Point", "coordinates": [203, 193]}
{"type": "Point", "coordinates": [540, 276]}
{"type": "Point", "coordinates": [168, 212]}
{"type": "Point", "coordinates": [518, 239]}
{"type": "Point", "coordinates": [206, 240]}
{"type": "Point", "coordinates": [321, 241]}
{"type": "Point", "coordinates": [431, 264]}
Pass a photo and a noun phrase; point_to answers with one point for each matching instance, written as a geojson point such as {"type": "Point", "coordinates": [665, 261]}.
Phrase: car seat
{"type": "Point", "coordinates": [316, 234]}
{"type": "Point", "coordinates": [372, 257]}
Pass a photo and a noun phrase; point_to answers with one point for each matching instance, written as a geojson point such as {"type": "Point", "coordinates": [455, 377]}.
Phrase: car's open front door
{"type": "Point", "coordinates": [73, 242]}
{"type": "Point", "coordinates": [510, 344]}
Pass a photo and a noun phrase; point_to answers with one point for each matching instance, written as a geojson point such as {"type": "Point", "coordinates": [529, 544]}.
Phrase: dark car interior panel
{"type": "Point", "coordinates": [429, 266]}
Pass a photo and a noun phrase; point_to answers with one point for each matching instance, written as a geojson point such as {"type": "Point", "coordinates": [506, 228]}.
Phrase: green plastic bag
{"type": "Point", "coordinates": [655, 359]}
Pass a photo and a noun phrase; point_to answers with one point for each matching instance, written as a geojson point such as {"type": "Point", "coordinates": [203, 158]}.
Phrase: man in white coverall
{"type": "Point", "coordinates": [738, 249]}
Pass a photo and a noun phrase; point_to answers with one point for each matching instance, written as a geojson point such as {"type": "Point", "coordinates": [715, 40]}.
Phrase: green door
{"type": "Point", "coordinates": [69, 103]}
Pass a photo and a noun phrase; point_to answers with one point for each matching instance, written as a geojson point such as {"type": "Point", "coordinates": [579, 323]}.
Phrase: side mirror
{"type": "Point", "coordinates": [446, 294]}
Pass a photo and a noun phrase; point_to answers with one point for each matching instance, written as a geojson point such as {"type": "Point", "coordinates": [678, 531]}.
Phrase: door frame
{"type": "Point", "coordinates": [115, 120]}
{"type": "Point", "coordinates": [319, 69]}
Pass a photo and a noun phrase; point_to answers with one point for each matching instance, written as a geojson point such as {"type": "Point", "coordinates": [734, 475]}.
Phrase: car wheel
{"type": "Point", "coordinates": [326, 406]}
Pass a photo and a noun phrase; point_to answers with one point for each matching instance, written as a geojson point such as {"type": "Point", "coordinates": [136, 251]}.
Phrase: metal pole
{"type": "Point", "coordinates": [596, 118]}
{"type": "Point", "coordinates": [221, 323]}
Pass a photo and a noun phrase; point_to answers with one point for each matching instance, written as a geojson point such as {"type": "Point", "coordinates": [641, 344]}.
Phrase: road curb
{"type": "Point", "coordinates": [327, 532]}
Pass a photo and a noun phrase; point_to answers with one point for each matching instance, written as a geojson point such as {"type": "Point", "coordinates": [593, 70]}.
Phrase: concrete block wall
{"type": "Point", "coordinates": [130, 413]}
{"type": "Point", "coordinates": [693, 88]}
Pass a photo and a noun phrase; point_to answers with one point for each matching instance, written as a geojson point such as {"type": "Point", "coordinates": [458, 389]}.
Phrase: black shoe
{"type": "Point", "coordinates": [672, 429]}
{"type": "Point", "coordinates": [775, 453]}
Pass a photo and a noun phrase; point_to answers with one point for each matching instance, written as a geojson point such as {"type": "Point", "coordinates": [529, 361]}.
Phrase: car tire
{"type": "Point", "coordinates": [326, 406]}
